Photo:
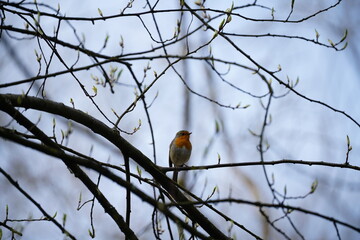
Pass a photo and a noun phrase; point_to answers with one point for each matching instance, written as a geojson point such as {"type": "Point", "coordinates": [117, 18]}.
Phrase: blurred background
{"type": "Point", "coordinates": [299, 129]}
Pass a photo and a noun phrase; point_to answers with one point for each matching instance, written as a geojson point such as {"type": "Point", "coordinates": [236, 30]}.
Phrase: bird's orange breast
{"type": "Point", "coordinates": [183, 141]}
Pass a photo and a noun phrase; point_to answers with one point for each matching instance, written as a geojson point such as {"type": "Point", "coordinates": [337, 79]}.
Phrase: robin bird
{"type": "Point", "coordinates": [180, 150]}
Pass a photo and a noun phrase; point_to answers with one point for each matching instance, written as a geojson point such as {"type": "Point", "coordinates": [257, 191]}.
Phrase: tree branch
{"type": "Point", "coordinates": [125, 147]}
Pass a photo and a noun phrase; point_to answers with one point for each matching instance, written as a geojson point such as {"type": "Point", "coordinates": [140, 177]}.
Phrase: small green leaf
{"type": "Point", "coordinates": [331, 43]}
{"type": "Point", "coordinates": [94, 89]}
{"type": "Point", "coordinates": [345, 35]}
{"type": "Point", "coordinates": [19, 100]}
{"type": "Point", "coordinates": [229, 10]}
{"type": "Point", "coordinates": [91, 234]}
{"type": "Point", "coordinates": [121, 43]}
{"type": "Point", "coordinates": [64, 219]}
{"type": "Point", "coordinates": [347, 140]}
{"type": "Point", "coordinates": [138, 169]}
{"type": "Point", "coordinates": [198, 2]}
{"type": "Point", "coordinates": [231, 225]}
{"type": "Point", "coordinates": [216, 33]}
{"type": "Point", "coordinates": [119, 74]}
{"type": "Point", "coordinates": [252, 133]}
{"type": "Point", "coordinates": [215, 189]}
{"type": "Point", "coordinates": [345, 45]}
{"type": "Point", "coordinates": [314, 186]}
{"type": "Point", "coordinates": [317, 35]}
{"type": "Point", "coordinates": [100, 12]}
{"type": "Point", "coordinates": [106, 40]}
{"type": "Point", "coordinates": [297, 81]}
{"type": "Point", "coordinates": [222, 23]}
{"type": "Point", "coordinates": [272, 12]}
{"type": "Point", "coordinates": [217, 126]}
{"type": "Point", "coordinates": [80, 198]}
{"type": "Point", "coordinates": [219, 158]}
{"type": "Point", "coordinates": [267, 145]}
{"type": "Point", "coordinates": [72, 102]}
{"type": "Point", "coordinates": [38, 56]}
{"type": "Point", "coordinates": [229, 18]}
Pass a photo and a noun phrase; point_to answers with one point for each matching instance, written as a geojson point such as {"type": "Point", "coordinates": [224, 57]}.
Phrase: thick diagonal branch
{"type": "Point", "coordinates": [6, 106]}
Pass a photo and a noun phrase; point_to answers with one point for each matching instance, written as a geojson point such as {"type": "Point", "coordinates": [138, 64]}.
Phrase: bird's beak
{"type": "Point", "coordinates": [190, 133]}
